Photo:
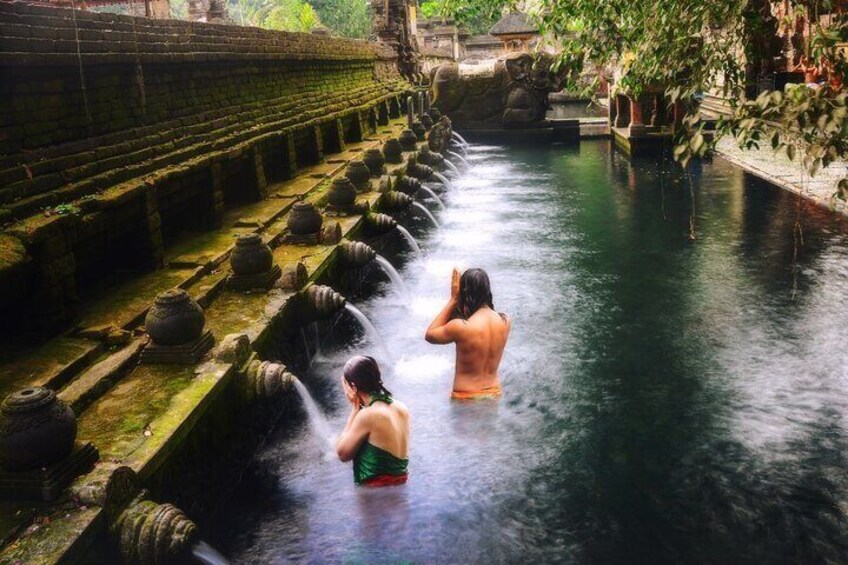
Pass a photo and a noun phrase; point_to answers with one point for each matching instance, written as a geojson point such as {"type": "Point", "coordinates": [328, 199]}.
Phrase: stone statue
{"type": "Point", "coordinates": [513, 92]}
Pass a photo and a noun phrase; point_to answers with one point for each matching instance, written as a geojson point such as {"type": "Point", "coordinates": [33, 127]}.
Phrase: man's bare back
{"type": "Point", "coordinates": [480, 334]}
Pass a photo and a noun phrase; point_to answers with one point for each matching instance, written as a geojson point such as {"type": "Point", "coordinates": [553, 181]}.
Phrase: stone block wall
{"type": "Point", "coordinates": [116, 132]}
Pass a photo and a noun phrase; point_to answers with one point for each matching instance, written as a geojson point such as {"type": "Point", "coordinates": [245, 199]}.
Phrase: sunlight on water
{"type": "Point", "coordinates": [423, 368]}
{"type": "Point", "coordinates": [665, 401]}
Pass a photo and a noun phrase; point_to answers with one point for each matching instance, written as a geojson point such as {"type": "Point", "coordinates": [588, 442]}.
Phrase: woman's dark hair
{"type": "Point", "coordinates": [474, 292]}
{"type": "Point", "coordinates": [363, 371]}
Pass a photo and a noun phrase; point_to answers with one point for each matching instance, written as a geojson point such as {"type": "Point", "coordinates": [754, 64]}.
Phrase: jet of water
{"type": "Point", "coordinates": [433, 195]}
{"type": "Point", "coordinates": [369, 328]}
{"type": "Point", "coordinates": [460, 146]}
{"type": "Point", "coordinates": [392, 273]}
{"type": "Point", "coordinates": [205, 554]}
{"type": "Point", "coordinates": [409, 239]}
{"type": "Point", "coordinates": [317, 421]}
{"type": "Point", "coordinates": [444, 180]}
{"type": "Point", "coordinates": [460, 138]}
{"type": "Point", "coordinates": [451, 166]}
{"type": "Point", "coordinates": [427, 213]}
{"type": "Point", "coordinates": [458, 156]}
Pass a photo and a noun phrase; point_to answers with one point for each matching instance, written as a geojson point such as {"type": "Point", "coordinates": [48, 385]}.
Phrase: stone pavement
{"type": "Point", "coordinates": [776, 168]}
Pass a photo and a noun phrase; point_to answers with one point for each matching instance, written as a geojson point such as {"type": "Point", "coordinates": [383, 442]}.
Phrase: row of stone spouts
{"type": "Point", "coordinates": [39, 431]}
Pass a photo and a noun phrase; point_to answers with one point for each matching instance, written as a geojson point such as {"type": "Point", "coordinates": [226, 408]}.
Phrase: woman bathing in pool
{"type": "Point", "coordinates": [376, 436]}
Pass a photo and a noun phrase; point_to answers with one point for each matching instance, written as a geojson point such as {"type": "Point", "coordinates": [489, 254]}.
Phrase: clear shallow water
{"type": "Point", "coordinates": [665, 401]}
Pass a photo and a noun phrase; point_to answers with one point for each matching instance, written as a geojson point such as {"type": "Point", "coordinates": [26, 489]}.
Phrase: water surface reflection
{"type": "Point", "coordinates": [665, 400]}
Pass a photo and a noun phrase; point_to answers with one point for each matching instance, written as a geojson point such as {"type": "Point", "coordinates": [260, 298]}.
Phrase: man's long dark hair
{"type": "Point", "coordinates": [474, 292]}
{"type": "Point", "coordinates": [363, 371]}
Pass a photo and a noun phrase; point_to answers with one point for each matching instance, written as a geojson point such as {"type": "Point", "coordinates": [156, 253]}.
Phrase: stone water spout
{"type": "Point", "coordinates": [374, 160]}
{"type": "Point", "coordinates": [380, 224]}
{"type": "Point", "coordinates": [268, 380]}
{"type": "Point", "coordinates": [149, 533]}
{"type": "Point", "coordinates": [393, 150]}
{"type": "Point", "coordinates": [459, 139]}
{"type": "Point", "coordinates": [252, 263]}
{"type": "Point", "coordinates": [356, 254]}
{"type": "Point", "coordinates": [394, 200]}
{"type": "Point", "coordinates": [408, 140]}
{"type": "Point", "coordinates": [360, 175]}
{"type": "Point", "coordinates": [323, 302]}
{"type": "Point", "coordinates": [430, 158]}
{"type": "Point", "coordinates": [456, 155]}
{"type": "Point", "coordinates": [407, 185]}
{"type": "Point", "coordinates": [145, 532]}
{"type": "Point", "coordinates": [418, 171]}
{"type": "Point", "coordinates": [175, 324]}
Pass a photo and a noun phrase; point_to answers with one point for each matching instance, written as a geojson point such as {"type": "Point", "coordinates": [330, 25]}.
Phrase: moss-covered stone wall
{"type": "Point", "coordinates": [112, 122]}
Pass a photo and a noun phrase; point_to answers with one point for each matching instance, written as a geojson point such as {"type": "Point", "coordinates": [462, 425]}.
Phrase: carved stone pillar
{"type": "Point", "coordinates": [622, 111]}
{"type": "Point", "coordinates": [637, 122]}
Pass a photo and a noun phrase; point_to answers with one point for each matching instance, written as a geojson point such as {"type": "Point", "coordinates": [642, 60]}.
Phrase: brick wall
{"type": "Point", "coordinates": [100, 109]}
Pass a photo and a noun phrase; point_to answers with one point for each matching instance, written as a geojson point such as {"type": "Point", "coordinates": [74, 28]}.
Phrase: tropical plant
{"type": "Point", "coordinates": [477, 16]}
{"type": "Point", "coordinates": [347, 18]}
{"type": "Point", "coordinates": [689, 47]}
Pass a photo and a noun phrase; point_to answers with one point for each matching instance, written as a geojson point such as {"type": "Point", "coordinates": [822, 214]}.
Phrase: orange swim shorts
{"type": "Point", "coordinates": [488, 393]}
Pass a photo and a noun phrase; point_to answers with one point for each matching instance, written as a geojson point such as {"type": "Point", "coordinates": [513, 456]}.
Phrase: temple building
{"type": "Point", "coordinates": [517, 32]}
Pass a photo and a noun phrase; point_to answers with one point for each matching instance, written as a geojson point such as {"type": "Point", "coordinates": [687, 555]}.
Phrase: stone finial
{"type": "Point", "coordinates": [393, 150]}
{"type": "Point", "coordinates": [304, 219]}
{"type": "Point", "coordinates": [342, 195]}
{"type": "Point", "coordinates": [303, 224]}
{"type": "Point", "coordinates": [419, 130]}
{"type": "Point", "coordinates": [408, 140]}
{"type": "Point", "coordinates": [175, 318]}
{"type": "Point", "coordinates": [36, 429]}
{"type": "Point", "coordinates": [374, 160]}
{"type": "Point", "coordinates": [175, 324]}
{"type": "Point", "coordinates": [252, 263]}
{"type": "Point", "coordinates": [359, 174]}
{"type": "Point", "coordinates": [251, 255]}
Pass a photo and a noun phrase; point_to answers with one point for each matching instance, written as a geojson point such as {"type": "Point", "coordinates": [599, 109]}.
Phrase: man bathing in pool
{"type": "Point", "coordinates": [469, 320]}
